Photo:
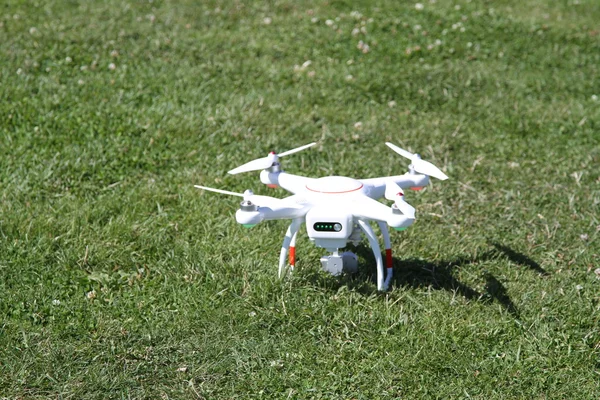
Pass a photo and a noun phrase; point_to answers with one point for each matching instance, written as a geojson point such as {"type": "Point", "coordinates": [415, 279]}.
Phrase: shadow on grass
{"type": "Point", "coordinates": [439, 275]}
{"type": "Point", "coordinates": [518, 258]}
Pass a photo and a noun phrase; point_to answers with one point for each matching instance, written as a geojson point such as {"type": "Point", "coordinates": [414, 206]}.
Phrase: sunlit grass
{"type": "Point", "coordinates": [120, 279]}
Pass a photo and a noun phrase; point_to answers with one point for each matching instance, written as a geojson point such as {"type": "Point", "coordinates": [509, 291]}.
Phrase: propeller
{"type": "Point", "coordinates": [268, 161]}
{"type": "Point", "coordinates": [421, 166]}
{"type": "Point", "coordinates": [222, 191]}
{"type": "Point", "coordinates": [249, 197]}
{"type": "Point", "coordinates": [395, 193]}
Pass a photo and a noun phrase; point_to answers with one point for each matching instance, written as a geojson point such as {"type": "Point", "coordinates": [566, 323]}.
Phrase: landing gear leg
{"type": "Point", "coordinates": [290, 237]}
{"type": "Point", "coordinates": [292, 254]}
{"type": "Point", "coordinates": [381, 285]}
{"type": "Point", "coordinates": [389, 261]}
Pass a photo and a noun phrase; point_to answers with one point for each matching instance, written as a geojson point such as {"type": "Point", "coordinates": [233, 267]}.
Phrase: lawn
{"type": "Point", "coordinates": [119, 279]}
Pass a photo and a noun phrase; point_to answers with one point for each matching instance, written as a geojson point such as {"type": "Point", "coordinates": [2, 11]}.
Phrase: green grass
{"type": "Point", "coordinates": [118, 279]}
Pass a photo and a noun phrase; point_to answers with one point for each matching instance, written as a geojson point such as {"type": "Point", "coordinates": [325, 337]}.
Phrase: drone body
{"type": "Point", "coordinates": [336, 209]}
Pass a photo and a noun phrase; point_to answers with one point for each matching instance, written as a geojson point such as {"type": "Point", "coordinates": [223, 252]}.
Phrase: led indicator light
{"type": "Point", "coordinates": [328, 226]}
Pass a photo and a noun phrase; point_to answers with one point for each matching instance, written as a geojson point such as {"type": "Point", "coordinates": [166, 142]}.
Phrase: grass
{"type": "Point", "coordinates": [118, 279]}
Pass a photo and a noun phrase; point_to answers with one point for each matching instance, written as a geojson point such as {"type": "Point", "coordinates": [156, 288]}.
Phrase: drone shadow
{"type": "Point", "coordinates": [439, 275]}
{"type": "Point", "coordinates": [518, 258]}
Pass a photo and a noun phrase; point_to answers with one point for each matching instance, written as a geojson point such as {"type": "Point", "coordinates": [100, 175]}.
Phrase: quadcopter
{"type": "Point", "coordinates": [335, 209]}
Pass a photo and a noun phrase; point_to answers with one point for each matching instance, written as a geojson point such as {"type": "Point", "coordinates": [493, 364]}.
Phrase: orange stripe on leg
{"type": "Point", "coordinates": [292, 256]}
{"type": "Point", "coordinates": [388, 258]}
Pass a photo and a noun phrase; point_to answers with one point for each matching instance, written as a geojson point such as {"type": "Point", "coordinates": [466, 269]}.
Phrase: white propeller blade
{"type": "Point", "coordinates": [266, 162]}
{"type": "Point", "coordinates": [297, 149]}
{"type": "Point", "coordinates": [254, 165]}
{"type": "Point", "coordinates": [248, 195]}
{"type": "Point", "coordinates": [421, 166]}
{"type": "Point", "coordinates": [427, 168]}
{"type": "Point", "coordinates": [400, 151]}
{"type": "Point", "coordinates": [395, 193]}
{"type": "Point", "coordinates": [219, 191]}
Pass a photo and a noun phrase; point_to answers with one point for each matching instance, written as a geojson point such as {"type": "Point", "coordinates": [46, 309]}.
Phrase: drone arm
{"type": "Point", "coordinates": [285, 212]}
{"type": "Point", "coordinates": [369, 209]}
{"type": "Point", "coordinates": [270, 208]}
{"type": "Point", "coordinates": [377, 185]}
{"type": "Point", "coordinates": [290, 182]}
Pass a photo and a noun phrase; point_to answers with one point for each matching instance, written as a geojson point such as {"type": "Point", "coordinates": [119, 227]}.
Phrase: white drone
{"type": "Point", "coordinates": [336, 209]}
